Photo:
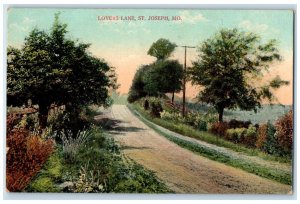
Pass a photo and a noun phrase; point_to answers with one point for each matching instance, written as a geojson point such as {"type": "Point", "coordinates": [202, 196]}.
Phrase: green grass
{"type": "Point", "coordinates": [105, 165]}
{"type": "Point", "coordinates": [207, 137]}
{"type": "Point", "coordinates": [50, 174]}
{"type": "Point", "coordinates": [250, 167]}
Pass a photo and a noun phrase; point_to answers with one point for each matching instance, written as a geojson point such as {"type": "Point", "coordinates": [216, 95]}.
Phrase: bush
{"type": "Point", "coordinates": [261, 136]}
{"type": "Point", "coordinates": [172, 116]}
{"type": "Point", "coordinates": [89, 181]}
{"type": "Point", "coordinates": [266, 140]}
{"type": "Point", "coordinates": [48, 177]}
{"type": "Point", "coordinates": [202, 125]}
{"type": "Point", "coordinates": [155, 107]}
{"type": "Point", "coordinates": [68, 121]}
{"type": "Point", "coordinates": [146, 104]}
{"type": "Point", "coordinates": [250, 136]}
{"type": "Point", "coordinates": [236, 135]}
{"type": "Point", "coordinates": [284, 133]}
{"type": "Point", "coordinates": [219, 128]}
{"type": "Point", "coordinates": [238, 124]}
{"type": "Point", "coordinates": [25, 157]}
{"type": "Point", "coordinates": [11, 121]}
{"type": "Point", "coordinates": [72, 144]}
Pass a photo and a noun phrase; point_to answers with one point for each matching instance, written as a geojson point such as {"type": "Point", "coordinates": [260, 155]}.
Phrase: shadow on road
{"type": "Point", "coordinates": [114, 126]}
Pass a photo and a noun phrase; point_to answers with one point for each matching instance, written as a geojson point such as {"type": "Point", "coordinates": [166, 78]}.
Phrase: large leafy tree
{"type": "Point", "coordinates": [227, 67]}
{"type": "Point", "coordinates": [163, 77]}
{"type": "Point", "coordinates": [136, 90]}
{"type": "Point", "coordinates": [51, 68]}
{"type": "Point", "coordinates": [161, 49]}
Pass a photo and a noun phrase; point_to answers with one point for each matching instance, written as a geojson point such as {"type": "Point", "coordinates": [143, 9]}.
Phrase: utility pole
{"type": "Point", "coordinates": [184, 79]}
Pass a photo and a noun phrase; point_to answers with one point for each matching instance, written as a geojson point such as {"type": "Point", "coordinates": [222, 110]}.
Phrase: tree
{"type": "Point", "coordinates": [161, 49]}
{"type": "Point", "coordinates": [51, 68]}
{"type": "Point", "coordinates": [225, 66]}
{"type": "Point", "coordinates": [136, 90]}
{"type": "Point", "coordinates": [163, 77]}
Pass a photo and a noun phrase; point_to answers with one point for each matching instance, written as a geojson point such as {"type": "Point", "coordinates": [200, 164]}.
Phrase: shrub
{"type": "Point", "coordinates": [72, 144]}
{"type": "Point", "coordinates": [146, 104]}
{"type": "Point", "coordinates": [219, 128]}
{"type": "Point", "coordinates": [43, 184]}
{"type": "Point", "coordinates": [284, 133]}
{"type": "Point", "coordinates": [193, 119]}
{"type": "Point", "coordinates": [11, 121]}
{"type": "Point", "coordinates": [89, 181]}
{"type": "Point", "coordinates": [266, 140]}
{"type": "Point", "coordinates": [238, 124]}
{"type": "Point", "coordinates": [155, 108]}
{"type": "Point", "coordinates": [202, 125]}
{"type": "Point", "coordinates": [25, 157]}
{"type": "Point", "coordinates": [172, 116]}
{"type": "Point", "coordinates": [236, 135]}
{"type": "Point", "coordinates": [67, 120]}
{"type": "Point", "coordinates": [250, 136]}
{"type": "Point", "coordinates": [262, 136]}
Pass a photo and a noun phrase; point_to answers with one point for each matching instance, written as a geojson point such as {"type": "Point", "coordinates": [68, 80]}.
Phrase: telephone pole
{"type": "Point", "coordinates": [184, 79]}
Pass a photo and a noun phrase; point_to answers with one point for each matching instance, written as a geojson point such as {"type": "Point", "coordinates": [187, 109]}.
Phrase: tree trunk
{"type": "Point", "coordinates": [43, 115]}
{"type": "Point", "coordinates": [173, 97]}
{"type": "Point", "coordinates": [221, 111]}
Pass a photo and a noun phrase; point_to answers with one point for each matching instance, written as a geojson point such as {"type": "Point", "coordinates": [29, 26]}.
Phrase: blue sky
{"type": "Point", "coordinates": [197, 25]}
{"type": "Point", "coordinates": [124, 44]}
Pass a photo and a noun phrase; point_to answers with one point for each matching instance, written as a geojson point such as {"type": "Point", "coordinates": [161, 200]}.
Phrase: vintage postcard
{"type": "Point", "coordinates": [188, 101]}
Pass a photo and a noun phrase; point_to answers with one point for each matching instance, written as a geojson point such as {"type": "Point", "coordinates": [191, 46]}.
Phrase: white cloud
{"type": "Point", "coordinates": [248, 25]}
{"type": "Point", "coordinates": [23, 26]}
{"type": "Point", "coordinates": [27, 21]}
{"type": "Point", "coordinates": [188, 17]}
{"type": "Point", "coordinates": [18, 27]}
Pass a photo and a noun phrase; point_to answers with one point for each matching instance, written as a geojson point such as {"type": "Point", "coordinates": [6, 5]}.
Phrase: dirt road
{"type": "Point", "coordinates": [180, 169]}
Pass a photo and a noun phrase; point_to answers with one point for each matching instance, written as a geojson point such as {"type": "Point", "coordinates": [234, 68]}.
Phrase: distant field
{"type": "Point", "coordinates": [267, 112]}
{"type": "Point", "coordinates": [119, 98]}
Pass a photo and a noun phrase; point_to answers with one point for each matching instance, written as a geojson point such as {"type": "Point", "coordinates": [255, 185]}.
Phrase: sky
{"type": "Point", "coordinates": [124, 43]}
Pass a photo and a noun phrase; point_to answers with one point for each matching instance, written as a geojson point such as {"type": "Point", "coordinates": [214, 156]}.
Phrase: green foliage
{"type": "Point", "coordinates": [236, 134]}
{"type": "Point", "coordinates": [160, 77]}
{"type": "Point", "coordinates": [230, 55]}
{"type": "Point", "coordinates": [172, 116]}
{"type": "Point", "coordinates": [50, 174]}
{"type": "Point", "coordinates": [155, 107]}
{"type": "Point", "coordinates": [43, 184]}
{"type": "Point", "coordinates": [52, 68]}
{"type": "Point", "coordinates": [71, 143]}
{"type": "Point", "coordinates": [99, 167]}
{"type": "Point", "coordinates": [163, 77]}
{"type": "Point", "coordinates": [69, 121]}
{"type": "Point", "coordinates": [248, 166]}
{"type": "Point", "coordinates": [89, 181]}
{"type": "Point", "coordinates": [270, 145]}
{"type": "Point", "coordinates": [161, 49]}
{"type": "Point", "coordinates": [189, 131]}
{"type": "Point", "coordinates": [136, 90]}
{"type": "Point", "coordinates": [202, 125]}
{"type": "Point", "coordinates": [140, 180]}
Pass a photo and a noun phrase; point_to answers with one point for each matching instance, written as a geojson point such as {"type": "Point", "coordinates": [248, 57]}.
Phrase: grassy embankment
{"type": "Point", "coordinates": [98, 166]}
{"type": "Point", "coordinates": [270, 173]}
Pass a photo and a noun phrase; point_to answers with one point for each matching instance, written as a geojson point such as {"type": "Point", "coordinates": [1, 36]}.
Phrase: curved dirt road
{"type": "Point", "coordinates": [180, 169]}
